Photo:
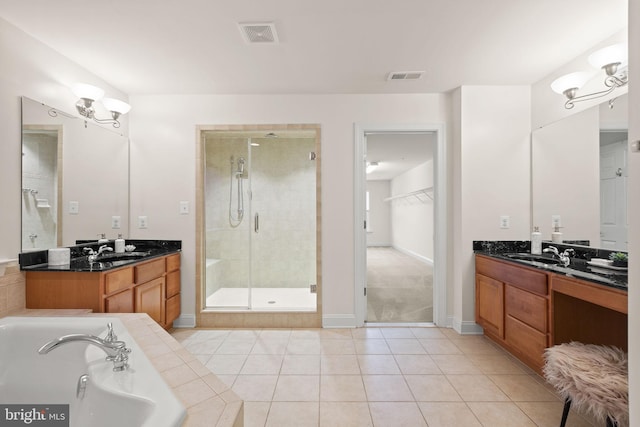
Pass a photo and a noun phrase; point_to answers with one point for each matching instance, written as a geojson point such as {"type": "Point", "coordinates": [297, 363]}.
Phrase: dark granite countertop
{"type": "Point", "coordinates": [578, 268]}
{"type": "Point", "coordinates": [145, 250]}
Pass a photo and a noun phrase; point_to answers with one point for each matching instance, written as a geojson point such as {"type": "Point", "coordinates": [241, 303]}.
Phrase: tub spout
{"type": "Point", "coordinates": [116, 351]}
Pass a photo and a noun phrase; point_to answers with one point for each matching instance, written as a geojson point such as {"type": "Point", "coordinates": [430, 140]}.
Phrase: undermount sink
{"type": "Point", "coordinates": [533, 257]}
{"type": "Point", "coordinates": [125, 256]}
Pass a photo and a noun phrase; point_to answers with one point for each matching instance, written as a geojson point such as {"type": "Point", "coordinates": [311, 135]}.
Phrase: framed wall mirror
{"type": "Point", "coordinates": [75, 179]}
{"type": "Point", "coordinates": [579, 176]}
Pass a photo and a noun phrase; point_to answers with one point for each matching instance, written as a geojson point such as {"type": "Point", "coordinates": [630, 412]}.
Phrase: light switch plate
{"type": "Point", "coordinates": [184, 208]}
{"type": "Point", "coordinates": [74, 207]}
{"type": "Point", "coordinates": [505, 221]}
{"type": "Point", "coordinates": [115, 221]}
{"type": "Point", "coordinates": [142, 221]}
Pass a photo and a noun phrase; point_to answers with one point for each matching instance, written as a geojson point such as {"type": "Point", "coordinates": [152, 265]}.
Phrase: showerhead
{"type": "Point", "coordinates": [271, 135]}
{"type": "Point", "coordinates": [240, 165]}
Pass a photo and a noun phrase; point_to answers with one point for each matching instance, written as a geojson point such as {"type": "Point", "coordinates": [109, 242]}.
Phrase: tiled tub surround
{"type": "Point", "coordinates": [583, 254]}
{"type": "Point", "coordinates": [208, 400]}
{"type": "Point", "coordinates": [38, 260]}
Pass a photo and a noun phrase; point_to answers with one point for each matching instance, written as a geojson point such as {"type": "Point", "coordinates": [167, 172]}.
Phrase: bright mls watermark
{"type": "Point", "coordinates": [34, 415]}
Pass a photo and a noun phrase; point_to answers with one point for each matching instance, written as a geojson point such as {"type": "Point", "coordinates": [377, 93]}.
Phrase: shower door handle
{"type": "Point", "coordinates": [256, 223]}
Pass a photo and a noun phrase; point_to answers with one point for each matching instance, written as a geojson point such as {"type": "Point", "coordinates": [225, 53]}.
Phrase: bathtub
{"type": "Point", "coordinates": [134, 397]}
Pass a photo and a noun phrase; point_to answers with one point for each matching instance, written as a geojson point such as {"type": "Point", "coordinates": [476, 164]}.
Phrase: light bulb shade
{"type": "Point", "coordinates": [617, 53]}
{"type": "Point", "coordinates": [115, 105]}
{"type": "Point", "coordinates": [86, 91]}
{"type": "Point", "coordinates": [570, 81]}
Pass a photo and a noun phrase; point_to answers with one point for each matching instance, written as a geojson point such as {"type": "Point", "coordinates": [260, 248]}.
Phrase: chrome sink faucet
{"type": "Point", "coordinates": [565, 257]}
{"type": "Point", "coordinates": [117, 351]}
{"type": "Point", "coordinates": [93, 255]}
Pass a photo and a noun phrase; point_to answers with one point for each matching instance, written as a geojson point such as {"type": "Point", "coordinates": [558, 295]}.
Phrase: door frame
{"type": "Point", "coordinates": [440, 215]}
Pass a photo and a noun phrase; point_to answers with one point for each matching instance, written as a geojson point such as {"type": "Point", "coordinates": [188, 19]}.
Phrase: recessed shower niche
{"type": "Point", "coordinates": [258, 222]}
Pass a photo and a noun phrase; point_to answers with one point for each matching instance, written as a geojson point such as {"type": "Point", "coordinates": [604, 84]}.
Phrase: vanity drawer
{"type": "Point", "coordinates": [526, 307]}
{"type": "Point", "coordinates": [527, 342]}
{"type": "Point", "coordinates": [149, 270]}
{"type": "Point", "coordinates": [173, 262]}
{"type": "Point", "coordinates": [117, 280]}
{"type": "Point", "coordinates": [172, 310]}
{"type": "Point", "coordinates": [173, 283]}
{"type": "Point", "coordinates": [522, 277]}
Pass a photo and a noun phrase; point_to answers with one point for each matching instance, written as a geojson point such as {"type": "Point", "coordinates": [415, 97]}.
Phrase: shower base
{"type": "Point", "coordinates": [263, 299]}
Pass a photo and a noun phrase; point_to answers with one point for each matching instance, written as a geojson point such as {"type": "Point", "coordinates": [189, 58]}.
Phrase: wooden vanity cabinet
{"type": "Point", "coordinates": [512, 306]}
{"type": "Point", "coordinates": [151, 287]}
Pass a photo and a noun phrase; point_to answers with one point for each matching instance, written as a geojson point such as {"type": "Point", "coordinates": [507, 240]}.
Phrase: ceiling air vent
{"type": "Point", "coordinates": [405, 75]}
{"type": "Point", "coordinates": [259, 32]}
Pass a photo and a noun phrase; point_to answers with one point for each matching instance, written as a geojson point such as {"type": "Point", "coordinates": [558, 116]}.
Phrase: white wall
{"type": "Point", "coordinates": [379, 213]}
{"type": "Point", "coordinates": [491, 179]}
{"type": "Point", "coordinates": [29, 68]}
{"type": "Point", "coordinates": [163, 158]}
{"type": "Point", "coordinates": [634, 213]}
{"type": "Point", "coordinates": [412, 218]}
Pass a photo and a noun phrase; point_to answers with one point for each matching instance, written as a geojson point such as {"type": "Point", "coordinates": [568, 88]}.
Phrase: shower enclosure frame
{"type": "Point", "coordinates": [220, 317]}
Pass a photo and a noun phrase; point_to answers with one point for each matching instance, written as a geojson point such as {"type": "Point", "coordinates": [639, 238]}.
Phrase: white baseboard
{"type": "Point", "coordinates": [417, 256]}
{"type": "Point", "coordinates": [338, 321]}
{"type": "Point", "coordinates": [467, 327]}
{"type": "Point", "coordinates": [185, 321]}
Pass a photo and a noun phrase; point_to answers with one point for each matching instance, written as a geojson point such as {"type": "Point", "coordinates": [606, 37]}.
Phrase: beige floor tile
{"type": "Point", "coordinates": [235, 347]}
{"type": "Point", "coordinates": [448, 414]}
{"type": "Point", "coordinates": [337, 346]}
{"type": "Point", "coordinates": [500, 414]}
{"type": "Point", "coordinates": [396, 414]}
{"type": "Point", "coordinates": [345, 414]}
{"type": "Point", "coordinates": [371, 346]}
{"type": "Point", "coordinates": [432, 388]}
{"type": "Point", "coordinates": [496, 364]}
{"type": "Point", "coordinates": [226, 364]}
{"type": "Point", "coordinates": [255, 413]}
{"type": "Point", "coordinates": [417, 364]}
{"type": "Point", "coordinates": [342, 388]}
{"type": "Point", "coordinates": [304, 346]}
{"type": "Point", "coordinates": [476, 345]}
{"type": "Point", "coordinates": [549, 414]}
{"type": "Point", "coordinates": [339, 365]}
{"type": "Point", "coordinates": [368, 333]}
{"type": "Point", "coordinates": [293, 414]}
{"type": "Point", "coordinates": [397, 333]}
{"type": "Point", "coordinates": [386, 388]}
{"type": "Point", "coordinates": [476, 388]}
{"type": "Point", "coordinates": [306, 334]}
{"type": "Point", "coordinates": [297, 388]}
{"type": "Point", "coordinates": [255, 388]}
{"type": "Point", "coordinates": [455, 364]}
{"type": "Point", "coordinates": [405, 346]}
{"type": "Point", "coordinates": [275, 334]}
{"type": "Point", "coordinates": [335, 334]}
{"type": "Point", "coordinates": [377, 364]}
{"type": "Point", "coordinates": [300, 364]}
{"type": "Point", "coordinates": [270, 346]}
{"type": "Point", "coordinates": [523, 388]}
{"type": "Point", "coordinates": [428, 332]}
{"type": "Point", "coordinates": [203, 347]}
{"type": "Point", "coordinates": [439, 346]}
{"type": "Point", "coordinates": [262, 364]}
{"type": "Point", "coordinates": [243, 334]}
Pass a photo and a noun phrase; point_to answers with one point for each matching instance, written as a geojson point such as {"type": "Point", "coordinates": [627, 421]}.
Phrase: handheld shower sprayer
{"type": "Point", "coordinates": [238, 173]}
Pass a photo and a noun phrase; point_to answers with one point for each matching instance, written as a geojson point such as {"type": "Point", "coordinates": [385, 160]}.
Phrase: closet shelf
{"type": "Point", "coordinates": [422, 195]}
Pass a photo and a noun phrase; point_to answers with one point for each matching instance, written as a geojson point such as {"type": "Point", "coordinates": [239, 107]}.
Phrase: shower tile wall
{"type": "Point", "coordinates": [283, 185]}
{"type": "Point", "coordinates": [39, 173]}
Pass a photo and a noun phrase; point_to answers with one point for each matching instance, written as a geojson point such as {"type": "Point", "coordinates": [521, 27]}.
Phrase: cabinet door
{"type": "Point", "coordinates": [490, 305]}
{"type": "Point", "coordinates": [119, 303]}
{"type": "Point", "coordinates": [149, 298]}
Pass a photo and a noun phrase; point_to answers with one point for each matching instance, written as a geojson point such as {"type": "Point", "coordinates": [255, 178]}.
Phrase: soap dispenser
{"type": "Point", "coordinates": [536, 241]}
{"type": "Point", "coordinates": [119, 244]}
{"type": "Point", "coordinates": [556, 236]}
{"type": "Point", "coordinates": [102, 238]}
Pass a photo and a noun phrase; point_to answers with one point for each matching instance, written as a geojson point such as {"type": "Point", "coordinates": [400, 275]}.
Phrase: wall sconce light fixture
{"type": "Point", "coordinates": [611, 59]}
{"type": "Point", "coordinates": [89, 94]}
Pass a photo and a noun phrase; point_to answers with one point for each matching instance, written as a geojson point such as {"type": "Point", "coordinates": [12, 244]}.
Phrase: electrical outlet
{"type": "Point", "coordinates": [555, 221]}
{"type": "Point", "coordinates": [504, 221]}
{"type": "Point", "coordinates": [115, 221]}
{"type": "Point", "coordinates": [74, 208]}
{"type": "Point", "coordinates": [142, 221]}
{"type": "Point", "coordinates": [184, 208]}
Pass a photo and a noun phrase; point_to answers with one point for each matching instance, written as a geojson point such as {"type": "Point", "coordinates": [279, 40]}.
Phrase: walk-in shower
{"type": "Point", "coordinates": [260, 216]}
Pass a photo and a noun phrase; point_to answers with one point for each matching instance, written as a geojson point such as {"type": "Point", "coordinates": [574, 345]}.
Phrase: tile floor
{"type": "Point", "coordinates": [382, 377]}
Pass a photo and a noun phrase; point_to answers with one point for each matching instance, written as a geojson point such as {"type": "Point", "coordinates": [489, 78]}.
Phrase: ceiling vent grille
{"type": "Point", "coordinates": [405, 75]}
{"type": "Point", "coordinates": [259, 32]}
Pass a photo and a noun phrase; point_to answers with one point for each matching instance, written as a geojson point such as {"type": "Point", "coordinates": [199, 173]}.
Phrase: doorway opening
{"type": "Point", "coordinates": [400, 214]}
